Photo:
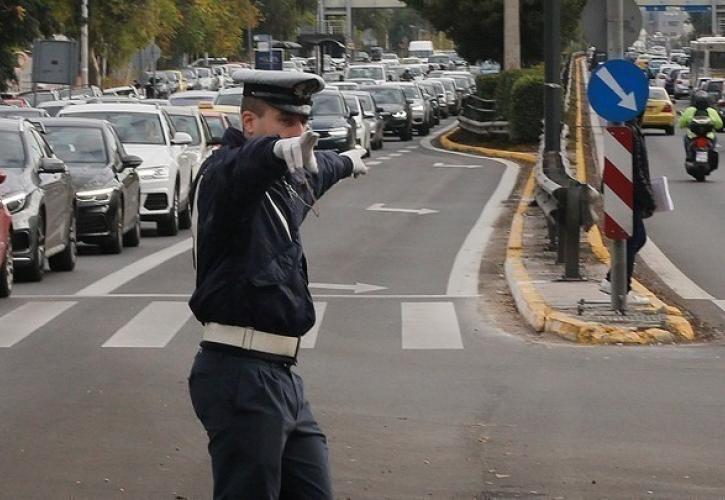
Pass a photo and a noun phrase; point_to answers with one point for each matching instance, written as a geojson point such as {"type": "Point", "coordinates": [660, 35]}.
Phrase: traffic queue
{"type": "Point", "coordinates": [88, 166]}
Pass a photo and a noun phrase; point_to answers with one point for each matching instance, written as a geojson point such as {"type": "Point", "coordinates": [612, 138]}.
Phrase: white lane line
{"type": "Point", "coordinates": [154, 326]}
{"type": "Point", "coordinates": [720, 304]}
{"type": "Point", "coordinates": [383, 158]}
{"type": "Point", "coordinates": [395, 155]}
{"type": "Point", "coordinates": [373, 163]}
{"type": "Point", "coordinates": [24, 320]}
{"type": "Point", "coordinates": [404, 151]}
{"type": "Point", "coordinates": [132, 271]}
{"type": "Point", "coordinates": [671, 274]}
{"type": "Point", "coordinates": [310, 338]}
{"type": "Point", "coordinates": [430, 325]}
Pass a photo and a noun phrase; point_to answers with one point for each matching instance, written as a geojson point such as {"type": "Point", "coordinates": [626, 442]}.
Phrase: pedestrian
{"type": "Point", "coordinates": [252, 294]}
{"type": "Point", "coordinates": [643, 206]}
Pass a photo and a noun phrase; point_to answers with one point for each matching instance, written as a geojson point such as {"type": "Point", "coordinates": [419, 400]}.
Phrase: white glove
{"type": "Point", "coordinates": [298, 152]}
{"type": "Point", "coordinates": [358, 166]}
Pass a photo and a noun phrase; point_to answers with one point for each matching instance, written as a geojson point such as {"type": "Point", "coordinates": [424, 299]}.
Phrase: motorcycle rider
{"type": "Point", "coordinates": [700, 107]}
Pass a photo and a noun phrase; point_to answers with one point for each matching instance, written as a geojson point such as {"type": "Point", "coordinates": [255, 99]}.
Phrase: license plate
{"type": "Point", "coordinates": [701, 156]}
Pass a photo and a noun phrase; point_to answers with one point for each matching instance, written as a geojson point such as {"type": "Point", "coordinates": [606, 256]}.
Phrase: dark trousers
{"type": "Point", "coordinates": [263, 439]}
{"type": "Point", "coordinates": [634, 245]}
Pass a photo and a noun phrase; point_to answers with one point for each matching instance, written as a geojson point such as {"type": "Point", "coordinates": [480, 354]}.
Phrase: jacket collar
{"type": "Point", "coordinates": [233, 138]}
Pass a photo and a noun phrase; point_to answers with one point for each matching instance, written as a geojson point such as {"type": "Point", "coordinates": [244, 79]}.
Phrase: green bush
{"type": "Point", "coordinates": [527, 108]}
{"type": "Point", "coordinates": [506, 81]}
{"type": "Point", "coordinates": [486, 86]}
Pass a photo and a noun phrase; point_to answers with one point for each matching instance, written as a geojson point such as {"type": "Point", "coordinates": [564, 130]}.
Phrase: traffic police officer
{"type": "Point", "coordinates": [252, 294]}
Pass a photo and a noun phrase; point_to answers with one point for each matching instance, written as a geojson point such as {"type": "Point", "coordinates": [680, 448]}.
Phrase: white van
{"type": "Point", "coordinates": [421, 49]}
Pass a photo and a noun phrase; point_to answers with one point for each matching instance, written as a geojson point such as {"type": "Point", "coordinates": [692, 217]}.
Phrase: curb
{"type": "Point", "coordinates": [493, 153]}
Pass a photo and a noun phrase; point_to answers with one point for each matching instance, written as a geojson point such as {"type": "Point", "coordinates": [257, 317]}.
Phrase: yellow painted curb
{"type": "Point", "coordinates": [495, 153]}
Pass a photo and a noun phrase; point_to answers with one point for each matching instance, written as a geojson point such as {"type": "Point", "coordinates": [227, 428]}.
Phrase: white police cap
{"type": "Point", "coordinates": [289, 91]}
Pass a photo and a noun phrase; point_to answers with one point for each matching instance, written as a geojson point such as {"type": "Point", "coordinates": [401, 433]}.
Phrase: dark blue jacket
{"type": "Point", "coordinates": [250, 271]}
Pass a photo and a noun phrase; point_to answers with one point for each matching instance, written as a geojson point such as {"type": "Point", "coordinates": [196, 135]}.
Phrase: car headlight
{"type": "Point", "coordinates": [400, 114]}
{"type": "Point", "coordinates": [153, 173]}
{"type": "Point", "coordinates": [417, 107]}
{"type": "Point", "coordinates": [95, 195]}
{"type": "Point", "coordinates": [15, 202]}
{"type": "Point", "coordinates": [338, 132]}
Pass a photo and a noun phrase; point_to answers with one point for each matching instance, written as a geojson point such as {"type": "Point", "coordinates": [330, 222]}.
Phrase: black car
{"type": "Point", "coordinates": [394, 108]}
{"type": "Point", "coordinates": [107, 187]}
{"type": "Point", "coordinates": [39, 194]}
{"type": "Point", "coordinates": [333, 120]}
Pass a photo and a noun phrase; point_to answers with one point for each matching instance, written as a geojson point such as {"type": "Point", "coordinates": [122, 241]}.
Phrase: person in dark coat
{"type": "Point", "coordinates": [252, 297]}
{"type": "Point", "coordinates": [644, 206]}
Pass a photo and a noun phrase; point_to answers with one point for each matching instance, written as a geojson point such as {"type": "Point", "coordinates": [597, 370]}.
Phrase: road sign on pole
{"type": "Point", "coordinates": [618, 186]}
{"type": "Point", "coordinates": [618, 91]}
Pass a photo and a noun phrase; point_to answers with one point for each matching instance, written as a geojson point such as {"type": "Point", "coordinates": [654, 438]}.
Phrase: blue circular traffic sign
{"type": "Point", "coordinates": [618, 91]}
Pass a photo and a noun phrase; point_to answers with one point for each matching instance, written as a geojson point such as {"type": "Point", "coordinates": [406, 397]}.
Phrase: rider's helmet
{"type": "Point", "coordinates": [701, 100]}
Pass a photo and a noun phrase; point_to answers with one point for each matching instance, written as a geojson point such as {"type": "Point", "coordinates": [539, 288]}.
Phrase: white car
{"type": "Point", "coordinates": [165, 174]}
{"type": "Point", "coordinates": [188, 119]}
{"type": "Point", "coordinates": [682, 85]}
{"type": "Point", "coordinates": [361, 124]}
{"type": "Point", "coordinates": [376, 72]}
{"type": "Point", "coordinates": [126, 91]}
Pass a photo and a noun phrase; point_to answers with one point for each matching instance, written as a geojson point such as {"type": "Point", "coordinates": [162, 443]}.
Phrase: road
{"type": "Point", "coordinates": [421, 394]}
{"type": "Point", "coordinates": [693, 235]}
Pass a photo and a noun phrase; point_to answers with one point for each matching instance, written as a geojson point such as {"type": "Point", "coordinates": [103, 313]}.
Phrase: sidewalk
{"type": "Point", "coordinates": [576, 311]}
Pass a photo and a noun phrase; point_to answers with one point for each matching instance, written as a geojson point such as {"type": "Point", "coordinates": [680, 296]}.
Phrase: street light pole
{"type": "Point", "coordinates": [84, 43]}
{"type": "Point", "coordinates": [552, 66]}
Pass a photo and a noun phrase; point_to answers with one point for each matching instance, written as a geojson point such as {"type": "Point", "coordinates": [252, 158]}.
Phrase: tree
{"type": "Point", "coordinates": [476, 26]}
{"type": "Point", "coordinates": [282, 18]}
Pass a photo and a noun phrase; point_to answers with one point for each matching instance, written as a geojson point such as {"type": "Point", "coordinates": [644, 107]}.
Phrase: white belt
{"type": "Point", "coordinates": [251, 339]}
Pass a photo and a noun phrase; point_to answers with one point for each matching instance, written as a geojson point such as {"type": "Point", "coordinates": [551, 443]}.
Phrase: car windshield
{"type": "Point", "coordinates": [228, 99]}
{"type": "Point", "coordinates": [373, 73]}
{"type": "Point", "coordinates": [411, 92]}
{"type": "Point", "coordinates": [388, 96]}
{"type": "Point", "coordinates": [461, 83]}
{"type": "Point", "coordinates": [327, 104]}
{"type": "Point", "coordinates": [132, 128]}
{"type": "Point", "coordinates": [188, 73]}
{"type": "Point", "coordinates": [189, 101]}
{"type": "Point", "coordinates": [658, 94]}
{"type": "Point", "coordinates": [12, 154]}
{"type": "Point", "coordinates": [714, 86]}
{"type": "Point", "coordinates": [216, 125]}
{"type": "Point", "coordinates": [35, 99]}
{"type": "Point", "coordinates": [367, 103]}
{"type": "Point", "coordinates": [439, 59]}
{"type": "Point", "coordinates": [77, 144]}
{"type": "Point", "coordinates": [449, 85]}
{"type": "Point", "coordinates": [203, 72]}
{"type": "Point", "coordinates": [235, 120]}
{"type": "Point", "coordinates": [352, 103]}
{"type": "Point", "coordinates": [188, 124]}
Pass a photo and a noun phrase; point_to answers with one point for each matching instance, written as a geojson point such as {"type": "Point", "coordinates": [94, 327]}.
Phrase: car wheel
{"type": "Point", "coordinates": [36, 269]}
{"type": "Point", "coordinates": [114, 243]}
{"type": "Point", "coordinates": [407, 133]}
{"type": "Point", "coordinates": [424, 130]}
{"type": "Point", "coordinates": [66, 260]}
{"type": "Point", "coordinates": [6, 273]}
{"type": "Point", "coordinates": [133, 237]}
{"type": "Point", "coordinates": [170, 225]}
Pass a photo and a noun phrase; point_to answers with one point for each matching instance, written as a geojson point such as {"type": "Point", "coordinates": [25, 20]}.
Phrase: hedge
{"type": "Point", "coordinates": [506, 82]}
{"type": "Point", "coordinates": [527, 108]}
{"type": "Point", "coordinates": [486, 86]}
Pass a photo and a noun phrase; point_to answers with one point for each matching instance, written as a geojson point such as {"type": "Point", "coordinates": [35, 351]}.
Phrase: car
{"type": "Point", "coordinates": [344, 86]}
{"type": "Point", "coordinates": [701, 82]}
{"type": "Point", "coordinates": [80, 92]}
{"type": "Point", "coordinates": [217, 122]}
{"type": "Point", "coordinates": [107, 187]}
{"type": "Point", "coordinates": [441, 61]}
{"type": "Point", "coordinates": [191, 97]}
{"type": "Point", "coordinates": [35, 98]}
{"type": "Point", "coordinates": [453, 98]}
{"type": "Point", "coordinates": [371, 113]}
{"type": "Point", "coordinates": [682, 85]}
{"type": "Point", "coordinates": [177, 81]}
{"type": "Point", "coordinates": [660, 112]}
{"type": "Point", "coordinates": [672, 77]}
{"type": "Point", "coordinates": [362, 127]}
{"type": "Point", "coordinates": [192, 79]}
{"type": "Point", "coordinates": [6, 247]}
{"type": "Point", "coordinates": [439, 90]}
{"type": "Point", "coordinates": [396, 110]}
{"type": "Point", "coordinates": [419, 106]}
{"type": "Point", "coordinates": [149, 133]}
{"type": "Point", "coordinates": [470, 86]}
{"type": "Point", "coordinates": [206, 79]}
{"type": "Point", "coordinates": [333, 120]}
{"type": "Point", "coordinates": [54, 107]}
{"type": "Point", "coordinates": [39, 194]}
{"type": "Point", "coordinates": [390, 56]}
{"type": "Point", "coordinates": [123, 91]}
{"type": "Point", "coordinates": [229, 97]}
{"type": "Point", "coordinates": [360, 81]}
{"type": "Point", "coordinates": [376, 72]}
{"type": "Point", "coordinates": [187, 119]}
{"type": "Point", "coordinates": [714, 88]}
{"type": "Point", "coordinates": [232, 113]}
{"type": "Point", "coordinates": [431, 95]}
{"type": "Point", "coordinates": [13, 112]}
{"type": "Point", "coordinates": [289, 66]}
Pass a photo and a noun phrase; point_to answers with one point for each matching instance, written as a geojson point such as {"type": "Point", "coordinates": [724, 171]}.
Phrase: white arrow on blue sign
{"type": "Point", "coordinates": [618, 91]}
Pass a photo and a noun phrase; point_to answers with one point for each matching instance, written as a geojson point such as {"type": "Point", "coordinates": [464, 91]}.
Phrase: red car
{"type": "Point", "coordinates": [6, 248]}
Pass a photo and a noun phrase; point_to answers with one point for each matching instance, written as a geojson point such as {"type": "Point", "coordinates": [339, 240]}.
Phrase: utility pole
{"type": "Point", "coordinates": [715, 26]}
{"type": "Point", "coordinates": [512, 36]}
{"type": "Point", "coordinates": [84, 43]}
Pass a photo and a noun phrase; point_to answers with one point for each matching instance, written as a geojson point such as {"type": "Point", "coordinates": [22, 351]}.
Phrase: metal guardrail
{"type": "Point", "coordinates": [479, 116]}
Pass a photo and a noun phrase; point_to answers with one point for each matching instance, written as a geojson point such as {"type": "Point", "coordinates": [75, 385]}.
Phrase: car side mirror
{"type": "Point", "coordinates": [181, 139]}
{"type": "Point", "coordinates": [380, 110]}
{"type": "Point", "coordinates": [354, 113]}
{"type": "Point", "coordinates": [131, 161]}
{"type": "Point", "coordinates": [52, 166]}
{"type": "Point", "coordinates": [409, 101]}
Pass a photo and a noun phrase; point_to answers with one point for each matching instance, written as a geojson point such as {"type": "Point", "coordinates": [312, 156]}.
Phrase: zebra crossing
{"type": "Point", "coordinates": [423, 325]}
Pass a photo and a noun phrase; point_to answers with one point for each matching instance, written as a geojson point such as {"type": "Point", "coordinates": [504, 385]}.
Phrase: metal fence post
{"type": "Point", "coordinates": [573, 225]}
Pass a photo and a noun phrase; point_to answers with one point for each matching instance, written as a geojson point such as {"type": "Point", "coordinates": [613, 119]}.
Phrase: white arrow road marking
{"type": "Point", "coordinates": [380, 207]}
{"type": "Point", "coordinates": [356, 288]}
{"type": "Point", "coordinates": [455, 165]}
{"type": "Point", "coordinates": [626, 100]}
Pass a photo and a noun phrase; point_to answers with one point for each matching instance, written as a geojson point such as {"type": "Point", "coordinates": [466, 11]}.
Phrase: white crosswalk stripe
{"type": "Point", "coordinates": [430, 325]}
{"type": "Point", "coordinates": [21, 322]}
{"type": "Point", "coordinates": [154, 326]}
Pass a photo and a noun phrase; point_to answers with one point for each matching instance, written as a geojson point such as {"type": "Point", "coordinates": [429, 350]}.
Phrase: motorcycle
{"type": "Point", "coordinates": [702, 158]}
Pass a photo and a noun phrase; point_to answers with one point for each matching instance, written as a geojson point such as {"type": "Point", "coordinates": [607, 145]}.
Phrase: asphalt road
{"type": "Point", "coordinates": [421, 395]}
{"type": "Point", "coordinates": [693, 235]}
